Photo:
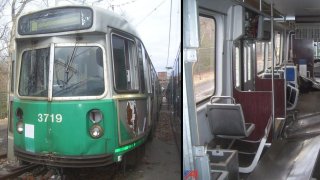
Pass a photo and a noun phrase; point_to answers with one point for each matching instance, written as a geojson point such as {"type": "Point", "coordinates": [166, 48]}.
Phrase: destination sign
{"type": "Point", "coordinates": [56, 20]}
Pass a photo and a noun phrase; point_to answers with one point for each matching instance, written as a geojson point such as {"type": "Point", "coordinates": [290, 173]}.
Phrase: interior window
{"type": "Point", "coordinates": [277, 43]}
{"type": "Point", "coordinates": [260, 56]}
{"type": "Point", "coordinates": [237, 66]}
{"type": "Point", "coordinates": [316, 49]}
{"type": "Point", "coordinates": [204, 68]}
{"type": "Point", "coordinates": [245, 59]}
{"type": "Point", "coordinates": [249, 63]}
{"type": "Point", "coordinates": [269, 55]}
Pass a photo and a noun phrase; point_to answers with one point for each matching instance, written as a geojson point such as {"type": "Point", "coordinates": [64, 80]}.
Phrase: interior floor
{"type": "Point", "coordinates": [294, 155]}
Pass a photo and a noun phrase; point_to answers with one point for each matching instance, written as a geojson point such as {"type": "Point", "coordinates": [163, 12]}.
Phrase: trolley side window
{"type": "Point", "coordinates": [124, 64]}
{"type": "Point", "coordinates": [34, 73]}
{"type": "Point", "coordinates": [204, 68]}
{"type": "Point", "coordinates": [141, 69]}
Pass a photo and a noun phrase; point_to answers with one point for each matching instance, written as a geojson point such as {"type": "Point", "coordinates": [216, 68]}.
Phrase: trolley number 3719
{"type": "Point", "coordinates": [50, 117]}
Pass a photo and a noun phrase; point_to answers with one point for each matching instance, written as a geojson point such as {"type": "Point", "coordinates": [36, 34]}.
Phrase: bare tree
{"type": "Point", "coordinates": [7, 49]}
{"type": "Point", "coordinates": [16, 10]}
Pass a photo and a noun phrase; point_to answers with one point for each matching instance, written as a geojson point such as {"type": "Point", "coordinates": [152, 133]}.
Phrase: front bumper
{"type": "Point", "coordinates": [64, 161]}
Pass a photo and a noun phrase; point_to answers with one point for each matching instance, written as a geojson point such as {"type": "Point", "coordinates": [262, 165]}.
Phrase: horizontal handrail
{"type": "Point", "coordinates": [226, 97]}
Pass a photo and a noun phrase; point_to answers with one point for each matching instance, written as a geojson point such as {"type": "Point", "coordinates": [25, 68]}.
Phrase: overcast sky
{"type": "Point", "coordinates": [151, 18]}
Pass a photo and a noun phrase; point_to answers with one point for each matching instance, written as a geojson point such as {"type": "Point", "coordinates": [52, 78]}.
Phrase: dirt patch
{"type": "Point", "coordinates": [163, 130]}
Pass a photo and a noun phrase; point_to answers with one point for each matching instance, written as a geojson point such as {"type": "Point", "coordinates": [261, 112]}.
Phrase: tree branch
{"type": "Point", "coordinates": [4, 31]}
{"type": "Point", "coordinates": [22, 7]}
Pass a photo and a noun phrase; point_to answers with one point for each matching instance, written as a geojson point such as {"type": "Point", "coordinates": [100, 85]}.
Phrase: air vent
{"type": "Point", "coordinates": [307, 19]}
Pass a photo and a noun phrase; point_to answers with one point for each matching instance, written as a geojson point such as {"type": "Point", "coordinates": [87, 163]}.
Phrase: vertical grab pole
{"type": "Point", "coordinates": [260, 6]}
{"type": "Point", "coordinates": [272, 72]}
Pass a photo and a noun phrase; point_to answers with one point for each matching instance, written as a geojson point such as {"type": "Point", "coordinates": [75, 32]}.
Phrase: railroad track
{"type": "Point", "coordinates": [36, 171]}
{"type": "Point", "coordinates": [3, 156]}
{"type": "Point", "coordinates": [15, 172]}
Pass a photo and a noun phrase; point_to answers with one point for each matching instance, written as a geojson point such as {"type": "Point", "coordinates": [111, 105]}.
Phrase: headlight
{"type": "Point", "coordinates": [96, 131]}
{"type": "Point", "coordinates": [19, 114]}
{"type": "Point", "coordinates": [95, 116]}
{"type": "Point", "coordinates": [19, 126]}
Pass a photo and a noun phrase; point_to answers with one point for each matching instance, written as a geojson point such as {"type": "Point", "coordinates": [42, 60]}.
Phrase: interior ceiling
{"type": "Point", "coordinates": [297, 7]}
{"type": "Point", "coordinates": [265, 7]}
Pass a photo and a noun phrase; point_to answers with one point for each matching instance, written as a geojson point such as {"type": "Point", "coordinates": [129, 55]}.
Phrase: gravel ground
{"type": "Point", "coordinates": [3, 136]}
{"type": "Point", "coordinates": [162, 159]}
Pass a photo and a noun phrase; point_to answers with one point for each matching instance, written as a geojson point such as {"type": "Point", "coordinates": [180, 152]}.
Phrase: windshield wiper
{"type": "Point", "coordinates": [69, 62]}
{"type": "Point", "coordinates": [71, 87]}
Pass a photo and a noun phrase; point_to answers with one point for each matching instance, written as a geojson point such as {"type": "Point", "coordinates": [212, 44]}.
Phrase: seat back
{"type": "Point", "coordinates": [226, 119]}
{"type": "Point", "coordinates": [291, 75]}
{"type": "Point", "coordinates": [292, 97]}
{"type": "Point", "coordinates": [269, 75]}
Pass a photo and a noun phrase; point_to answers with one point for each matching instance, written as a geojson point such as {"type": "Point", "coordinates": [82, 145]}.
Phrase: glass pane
{"type": "Point", "coordinates": [141, 72]}
{"type": "Point", "coordinates": [277, 43]}
{"type": "Point", "coordinates": [318, 50]}
{"type": "Point", "coordinates": [315, 49]}
{"type": "Point", "coordinates": [237, 66]}
{"type": "Point", "coordinates": [245, 58]}
{"type": "Point", "coordinates": [260, 56]}
{"type": "Point", "coordinates": [78, 71]}
{"type": "Point", "coordinates": [269, 55]}
{"type": "Point", "coordinates": [204, 68]}
{"type": "Point", "coordinates": [249, 63]}
{"type": "Point", "coordinates": [34, 73]}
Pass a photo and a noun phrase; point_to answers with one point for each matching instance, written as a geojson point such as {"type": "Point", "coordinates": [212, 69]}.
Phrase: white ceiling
{"type": "Point", "coordinates": [297, 7]}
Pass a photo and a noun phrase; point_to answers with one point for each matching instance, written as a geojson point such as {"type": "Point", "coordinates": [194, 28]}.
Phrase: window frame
{"type": "Point", "coordinates": [131, 38]}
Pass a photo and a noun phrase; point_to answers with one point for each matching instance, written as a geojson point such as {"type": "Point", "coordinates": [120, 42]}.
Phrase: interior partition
{"type": "Point", "coordinates": [256, 107]}
{"type": "Point", "coordinates": [279, 94]}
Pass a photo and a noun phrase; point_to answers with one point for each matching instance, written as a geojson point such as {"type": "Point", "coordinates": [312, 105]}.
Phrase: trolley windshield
{"type": "Point", "coordinates": [34, 73]}
{"type": "Point", "coordinates": [77, 71]}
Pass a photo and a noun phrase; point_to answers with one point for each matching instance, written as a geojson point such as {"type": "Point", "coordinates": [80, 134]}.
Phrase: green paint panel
{"type": "Point", "coordinates": [71, 135]}
{"type": "Point", "coordinates": [126, 148]}
{"type": "Point", "coordinates": [125, 134]}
